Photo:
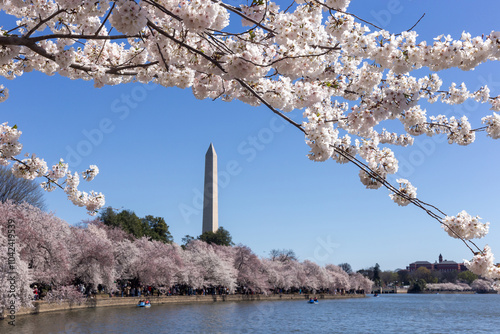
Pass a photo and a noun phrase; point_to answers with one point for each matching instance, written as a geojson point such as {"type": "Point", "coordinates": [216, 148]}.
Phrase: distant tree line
{"type": "Point", "coordinates": [417, 280]}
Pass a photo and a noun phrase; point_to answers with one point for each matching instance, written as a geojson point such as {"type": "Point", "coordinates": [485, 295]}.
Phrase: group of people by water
{"type": "Point", "coordinates": [133, 288]}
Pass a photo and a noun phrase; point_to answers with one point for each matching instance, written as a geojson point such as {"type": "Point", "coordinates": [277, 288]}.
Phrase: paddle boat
{"type": "Point", "coordinates": [143, 303]}
{"type": "Point", "coordinates": [313, 301]}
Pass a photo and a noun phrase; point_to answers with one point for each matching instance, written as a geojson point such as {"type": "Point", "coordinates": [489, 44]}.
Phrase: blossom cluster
{"type": "Point", "coordinates": [9, 144]}
{"type": "Point", "coordinates": [92, 201]}
{"type": "Point", "coordinates": [4, 93]}
{"type": "Point", "coordinates": [465, 226]}
{"type": "Point", "coordinates": [493, 125]}
{"type": "Point", "coordinates": [483, 264]}
{"type": "Point", "coordinates": [33, 167]}
{"type": "Point", "coordinates": [406, 192]}
{"type": "Point", "coordinates": [381, 162]}
{"type": "Point", "coordinates": [128, 18]}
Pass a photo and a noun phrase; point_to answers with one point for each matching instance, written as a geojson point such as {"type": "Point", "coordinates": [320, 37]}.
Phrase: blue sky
{"type": "Point", "coordinates": [149, 143]}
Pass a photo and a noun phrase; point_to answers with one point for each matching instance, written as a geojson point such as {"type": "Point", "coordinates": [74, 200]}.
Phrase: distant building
{"type": "Point", "coordinates": [415, 265]}
{"type": "Point", "coordinates": [442, 265]}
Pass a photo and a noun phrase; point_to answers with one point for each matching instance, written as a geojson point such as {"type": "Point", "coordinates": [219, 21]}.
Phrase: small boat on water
{"type": "Point", "coordinates": [313, 301]}
{"type": "Point", "coordinates": [144, 304]}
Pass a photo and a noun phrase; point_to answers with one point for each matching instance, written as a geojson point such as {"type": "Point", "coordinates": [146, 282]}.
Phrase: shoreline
{"type": "Point", "coordinates": [101, 301]}
{"type": "Point", "coordinates": [451, 292]}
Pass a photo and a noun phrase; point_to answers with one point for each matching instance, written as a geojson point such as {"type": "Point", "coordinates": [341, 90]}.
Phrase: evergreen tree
{"type": "Point", "coordinates": [156, 229]}
{"type": "Point", "coordinates": [221, 237]}
{"type": "Point", "coordinates": [376, 274]}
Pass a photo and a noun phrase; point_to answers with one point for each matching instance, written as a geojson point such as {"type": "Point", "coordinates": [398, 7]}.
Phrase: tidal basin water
{"type": "Point", "coordinates": [439, 313]}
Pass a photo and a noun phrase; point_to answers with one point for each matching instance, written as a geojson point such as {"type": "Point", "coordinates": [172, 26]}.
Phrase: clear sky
{"type": "Point", "coordinates": [149, 143]}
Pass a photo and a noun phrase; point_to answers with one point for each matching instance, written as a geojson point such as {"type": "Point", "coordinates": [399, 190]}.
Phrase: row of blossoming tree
{"type": "Point", "coordinates": [349, 76]}
{"type": "Point", "coordinates": [52, 253]}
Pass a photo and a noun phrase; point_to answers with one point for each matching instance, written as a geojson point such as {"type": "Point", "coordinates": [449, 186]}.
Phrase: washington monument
{"type": "Point", "coordinates": [210, 198]}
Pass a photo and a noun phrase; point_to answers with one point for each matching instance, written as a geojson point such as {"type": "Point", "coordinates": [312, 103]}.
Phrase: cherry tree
{"type": "Point", "coordinates": [15, 277]}
{"type": "Point", "coordinates": [250, 269]}
{"type": "Point", "coordinates": [284, 274]}
{"type": "Point", "coordinates": [337, 278]}
{"type": "Point", "coordinates": [125, 256]}
{"type": "Point", "coordinates": [115, 234]}
{"type": "Point", "coordinates": [92, 256]}
{"type": "Point", "coordinates": [208, 265]}
{"type": "Point", "coordinates": [65, 293]}
{"type": "Point", "coordinates": [359, 282]}
{"type": "Point", "coordinates": [315, 276]}
{"type": "Point", "coordinates": [448, 286]}
{"type": "Point", "coordinates": [348, 76]}
{"type": "Point", "coordinates": [42, 242]}
{"type": "Point", "coordinates": [483, 285]}
{"type": "Point", "coordinates": [157, 263]}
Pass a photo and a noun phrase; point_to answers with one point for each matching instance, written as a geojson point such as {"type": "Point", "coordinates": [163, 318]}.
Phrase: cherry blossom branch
{"type": "Point", "coordinates": [51, 181]}
{"type": "Point", "coordinates": [42, 22]}
{"type": "Point", "coordinates": [393, 189]}
{"type": "Point", "coordinates": [268, 105]}
{"type": "Point", "coordinates": [238, 12]}
{"type": "Point", "coordinates": [163, 9]}
{"type": "Point", "coordinates": [105, 19]}
{"type": "Point", "coordinates": [344, 12]}
{"type": "Point", "coordinates": [190, 48]}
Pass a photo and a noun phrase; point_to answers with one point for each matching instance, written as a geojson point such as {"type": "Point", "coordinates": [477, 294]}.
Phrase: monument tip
{"type": "Point", "coordinates": [211, 149]}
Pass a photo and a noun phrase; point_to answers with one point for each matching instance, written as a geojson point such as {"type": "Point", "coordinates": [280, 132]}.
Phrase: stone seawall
{"type": "Point", "coordinates": [42, 307]}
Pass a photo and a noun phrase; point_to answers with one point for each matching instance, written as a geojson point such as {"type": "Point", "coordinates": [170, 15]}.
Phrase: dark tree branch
{"type": "Point", "coordinates": [42, 22]}
{"type": "Point", "coordinates": [105, 19]}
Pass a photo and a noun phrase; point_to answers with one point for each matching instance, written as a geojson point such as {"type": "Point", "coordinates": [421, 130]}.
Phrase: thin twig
{"type": "Point", "coordinates": [267, 104]}
{"type": "Point", "coordinates": [105, 19]}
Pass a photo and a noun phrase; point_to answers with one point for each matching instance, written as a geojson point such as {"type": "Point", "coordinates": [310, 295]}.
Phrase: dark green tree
{"type": "Point", "coordinates": [424, 274]}
{"type": "Point", "coordinates": [417, 286]}
{"type": "Point", "coordinates": [346, 267]}
{"type": "Point", "coordinates": [467, 276]}
{"type": "Point", "coordinates": [221, 237]}
{"type": "Point", "coordinates": [130, 223]}
{"type": "Point", "coordinates": [388, 278]}
{"type": "Point", "coordinates": [403, 277]}
{"type": "Point", "coordinates": [376, 274]}
{"type": "Point", "coordinates": [368, 272]}
{"type": "Point", "coordinates": [109, 217]}
{"type": "Point", "coordinates": [156, 229]}
{"type": "Point", "coordinates": [186, 240]}
{"type": "Point", "coordinates": [448, 276]}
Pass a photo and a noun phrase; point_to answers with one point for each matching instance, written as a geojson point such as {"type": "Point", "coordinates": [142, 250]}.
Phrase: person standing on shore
{"type": "Point", "coordinates": [35, 292]}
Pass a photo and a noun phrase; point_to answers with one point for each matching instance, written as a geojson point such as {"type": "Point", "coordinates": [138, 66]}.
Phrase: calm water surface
{"type": "Point", "coordinates": [386, 314]}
